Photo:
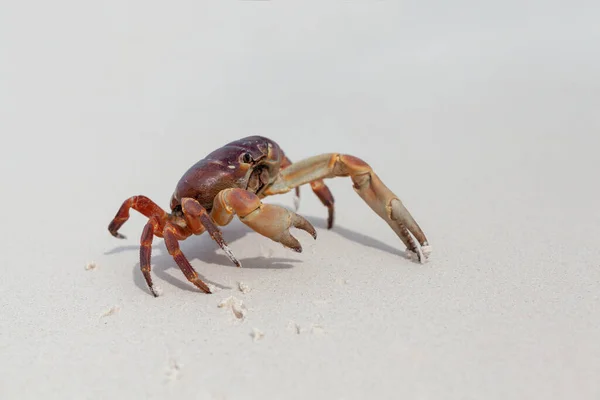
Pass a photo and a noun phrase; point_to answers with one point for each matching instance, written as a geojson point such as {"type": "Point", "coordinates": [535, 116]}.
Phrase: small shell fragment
{"type": "Point", "coordinates": [236, 305]}
{"type": "Point", "coordinates": [318, 329]}
{"type": "Point", "coordinates": [244, 288]}
{"type": "Point", "coordinates": [111, 311]}
{"type": "Point", "coordinates": [294, 327]}
{"type": "Point", "coordinates": [173, 370]}
{"type": "Point", "coordinates": [257, 334]}
{"type": "Point", "coordinates": [91, 266]}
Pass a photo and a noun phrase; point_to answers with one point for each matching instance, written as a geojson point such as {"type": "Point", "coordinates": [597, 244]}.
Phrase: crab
{"type": "Point", "coordinates": [233, 179]}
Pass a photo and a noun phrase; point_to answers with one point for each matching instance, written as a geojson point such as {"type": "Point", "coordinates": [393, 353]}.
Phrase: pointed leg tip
{"type": "Point", "coordinates": [416, 255]}
{"type": "Point", "coordinates": [202, 286]}
{"type": "Point", "coordinates": [118, 235]}
{"type": "Point", "coordinates": [237, 263]}
{"type": "Point", "coordinates": [230, 255]}
{"type": "Point", "coordinates": [156, 291]}
{"type": "Point", "coordinates": [426, 249]}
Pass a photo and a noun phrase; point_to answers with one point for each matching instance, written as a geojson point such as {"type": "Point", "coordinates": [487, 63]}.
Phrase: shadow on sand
{"type": "Point", "coordinates": [204, 249]}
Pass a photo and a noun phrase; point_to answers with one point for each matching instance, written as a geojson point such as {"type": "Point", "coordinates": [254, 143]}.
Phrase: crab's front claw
{"type": "Point", "coordinates": [269, 220]}
{"type": "Point", "coordinates": [391, 210]}
{"type": "Point", "coordinates": [368, 186]}
{"type": "Point", "coordinates": [275, 222]}
{"type": "Point", "coordinates": [403, 224]}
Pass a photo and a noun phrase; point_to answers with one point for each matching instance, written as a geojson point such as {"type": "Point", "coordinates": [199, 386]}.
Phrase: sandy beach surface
{"type": "Point", "coordinates": [483, 118]}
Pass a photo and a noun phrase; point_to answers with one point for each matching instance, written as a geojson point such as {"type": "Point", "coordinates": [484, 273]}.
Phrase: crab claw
{"type": "Point", "coordinates": [275, 222]}
{"type": "Point", "coordinates": [366, 184]}
{"type": "Point", "coordinates": [269, 220]}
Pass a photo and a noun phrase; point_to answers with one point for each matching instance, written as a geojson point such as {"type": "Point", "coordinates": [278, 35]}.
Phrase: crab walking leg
{"type": "Point", "coordinates": [141, 204]}
{"type": "Point", "coordinates": [286, 162]}
{"type": "Point", "coordinates": [172, 235]}
{"type": "Point", "coordinates": [146, 251]}
{"type": "Point", "coordinates": [198, 221]}
{"type": "Point", "coordinates": [269, 220]}
{"type": "Point", "coordinates": [368, 186]}
{"type": "Point", "coordinates": [320, 189]}
{"type": "Point", "coordinates": [324, 194]}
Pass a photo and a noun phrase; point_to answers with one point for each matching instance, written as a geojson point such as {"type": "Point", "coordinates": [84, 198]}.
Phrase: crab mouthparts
{"type": "Point", "coordinates": [258, 180]}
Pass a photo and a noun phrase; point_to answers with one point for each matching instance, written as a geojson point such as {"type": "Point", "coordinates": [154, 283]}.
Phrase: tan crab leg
{"type": "Point", "coordinates": [269, 220]}
{"type": "Point", "coordinates": [286, 162]}
{"type": "Point", "coordinates": [320, 189]}
{"type": "Point", "coordinates": [368, 186]}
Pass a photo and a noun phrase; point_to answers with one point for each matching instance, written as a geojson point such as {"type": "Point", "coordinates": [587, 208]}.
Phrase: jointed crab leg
{"type": "Point", "coordinates": [146, 251]}
{"type": "Point", "coordinates": [368, 186]}
{"type": "Point", "coordinates": [166, 225]}
{"type": "Point", "coordinates": [320, 189]}
{"type": "Point", "coordinates": [198, 220]}
{"type": "Point", "coordinates": [141, 204]}
{"type": "Point", "coordinates": [324, 194]}
{"type": "Point", "coordinates": [269, 220]}
{"type": "Point", "coordinates": [172, 234]}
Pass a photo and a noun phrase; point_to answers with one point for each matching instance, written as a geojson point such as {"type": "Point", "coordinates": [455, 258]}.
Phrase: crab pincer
{"type": "Point", "coordinates": [269, 220]}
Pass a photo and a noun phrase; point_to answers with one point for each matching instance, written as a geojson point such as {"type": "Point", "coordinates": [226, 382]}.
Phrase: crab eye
{"type": "Point", "coordinates": [247, 158]}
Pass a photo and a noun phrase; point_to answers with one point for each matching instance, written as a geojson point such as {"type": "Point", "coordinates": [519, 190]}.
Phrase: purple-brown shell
{"type": "Point", "coordinates": [250, 163]}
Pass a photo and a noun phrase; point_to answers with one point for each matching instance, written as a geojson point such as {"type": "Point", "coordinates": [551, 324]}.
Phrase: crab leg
{"type": "Point", "coordinates": [146, 251]}
{"type": "Point", "coordinates": [172, 234]}
{"type": "Point", "coordinates": [269, 220]}
{"type": "Point", "coordinates": [368, 186]}
{"type": "Point", "coordinates": [198, 221]}
{"type": "Point", "coordinates": [286, 162]}
{"type": "Point", "coordinates": [320, 189]}
{"type": "Point", "coordinates": [324, 194]}
{"type": "Point", "coordinates": [141, 204]}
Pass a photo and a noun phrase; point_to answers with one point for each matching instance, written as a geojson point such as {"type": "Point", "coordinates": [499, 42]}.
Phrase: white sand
{"type": "Point", "coordinates": [483, 119]}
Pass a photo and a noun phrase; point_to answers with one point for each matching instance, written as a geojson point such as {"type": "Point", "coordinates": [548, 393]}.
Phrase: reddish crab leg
{"type": "Point", "coordinates": [146, 251]}
{"type": "Point", "coordinates": [141, 204]}
{"type": "Point", "coordinates": [368, 186]}
{"type": "Point", "coordinates": [198, 220]}
{"type": "Point", "coordinates": [161, 223]}
{"type": "Point", "coordinates": [172, 234]}
{"type": "Point", "coordinates": [324, 194]}
{"type": "Point", "coordinates": [269, 220]}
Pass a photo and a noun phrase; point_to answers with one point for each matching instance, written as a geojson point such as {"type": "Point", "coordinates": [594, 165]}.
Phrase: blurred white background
{"type": "Point", "coordinates": [481, 116]}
